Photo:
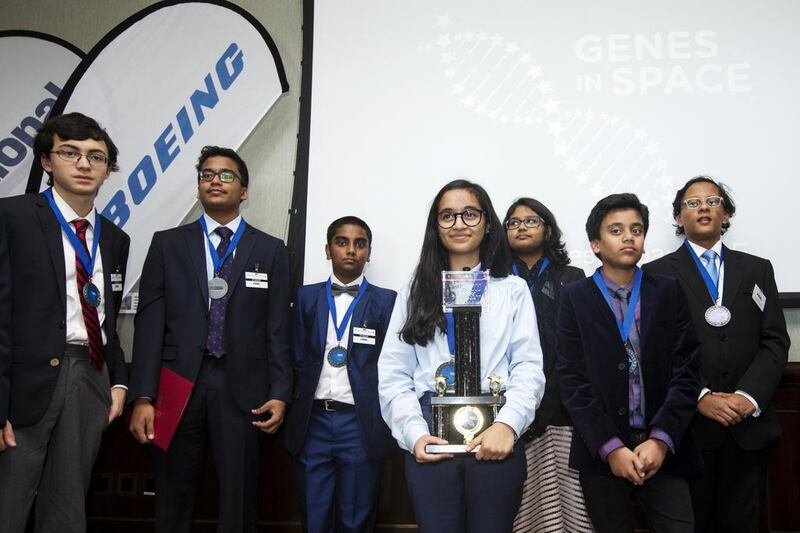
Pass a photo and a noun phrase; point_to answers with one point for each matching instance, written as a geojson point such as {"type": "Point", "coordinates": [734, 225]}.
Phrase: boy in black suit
{"type": "Point", "coordinates": [734, 305]}
{"type": "Point", "coordinates": [627, 361]}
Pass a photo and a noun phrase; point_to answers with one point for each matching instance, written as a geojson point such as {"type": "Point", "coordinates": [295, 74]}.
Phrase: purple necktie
{"type": "Point", "coordinates": [215, 343]}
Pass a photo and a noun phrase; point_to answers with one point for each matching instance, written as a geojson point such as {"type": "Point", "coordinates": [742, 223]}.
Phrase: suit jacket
{"type": "Point", "coordinates": [36, 307]}
{"type": "Point", "coordinates": [593, 371]}
{"type": "Point", "coordinates": [172, 319]}
{"type": "Point", "coordinates": [309, 334]}
{"type": "Point", "coordinates": [748, 354]}
{"type": "Point", "coordinates": [546, 299]}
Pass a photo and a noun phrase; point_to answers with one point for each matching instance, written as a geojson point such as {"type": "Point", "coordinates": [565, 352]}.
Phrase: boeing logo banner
{"type": "Point", "coordinates": [164, 83]}
{"type": "Point", "coordinates": [34, 68]}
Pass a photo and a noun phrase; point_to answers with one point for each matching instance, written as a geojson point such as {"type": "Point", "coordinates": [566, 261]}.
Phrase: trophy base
{"type": "Point", "coordinates": [453, 449]}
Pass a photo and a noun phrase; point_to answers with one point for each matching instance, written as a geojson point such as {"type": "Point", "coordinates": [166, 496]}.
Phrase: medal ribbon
{"type": "Point", "coordinates": [86, 260]}
{"type": "Point", "coordinates": [542, 268]}
{"type": "Point", "coordinates": [475, 295]}
{"type": "Point", "coordinates": [340, 328]}
{"type": "Point", "coordinates": [215, 259]}
{"type": "Point", "coordinates": [711, 284]}
{"type": "Point", "coordinates": [624, 327]}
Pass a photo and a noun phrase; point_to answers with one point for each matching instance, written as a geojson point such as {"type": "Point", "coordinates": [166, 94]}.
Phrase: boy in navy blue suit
{"type": "Point", "coordinates": [334, 429]}
{"type": "Point", "coordinates": [628, 367]}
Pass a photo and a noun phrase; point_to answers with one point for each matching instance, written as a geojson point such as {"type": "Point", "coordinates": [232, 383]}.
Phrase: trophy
{"type": "Point", "coordinates": [460, 411]}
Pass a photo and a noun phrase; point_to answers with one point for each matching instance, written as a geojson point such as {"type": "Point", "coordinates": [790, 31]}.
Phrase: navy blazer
{"type": "Point", "coordinates": [748, 354]}
{"type": "Point", "coordinates": [34, 311]}
{"type": "Point", "coordinates": [172, 319]}
{"type": "Point", "coordinates": [593, 371]}
{"type": "Point", "coordinates": [309, 334]}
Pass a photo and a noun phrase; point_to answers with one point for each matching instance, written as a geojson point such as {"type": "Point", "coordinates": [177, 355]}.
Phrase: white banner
{"type": "Point", "coordinates": [164, 83]}
{"type": "Point", "coordinates": [34, 68]}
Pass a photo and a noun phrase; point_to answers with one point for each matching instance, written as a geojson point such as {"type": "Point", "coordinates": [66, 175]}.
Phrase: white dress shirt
{"type": "Point", "coordinates": [215, 239]}
{"type": "Point", "coordinates": [509, 348]}
{"type": "Point", "coordinates": [333, 382]}
{"type": "Point", "coordinates": [720, 264]}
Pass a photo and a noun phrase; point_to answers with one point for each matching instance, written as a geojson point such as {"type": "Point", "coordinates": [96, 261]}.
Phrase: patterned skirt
{"type": "Point", "coordinates": [552, 499]}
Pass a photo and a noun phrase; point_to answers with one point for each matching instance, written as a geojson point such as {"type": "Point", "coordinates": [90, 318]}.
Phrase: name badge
{"type": "Point", "coordinates": [116, 287]}
{"type": "Point", "coordinates": [759, 298]}
{"type": "Point", "coordinates": [116, 277]}
{"type": "Point", "coordinates": [256, 284]}
{"type": "Point", "coordinates": [363, 340]}
{"type": "Point", "coordinates": [364, 332]}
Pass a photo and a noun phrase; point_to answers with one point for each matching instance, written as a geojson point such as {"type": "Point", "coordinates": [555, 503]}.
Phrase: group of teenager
{"type": "Point", "coordinates": [650, 384]}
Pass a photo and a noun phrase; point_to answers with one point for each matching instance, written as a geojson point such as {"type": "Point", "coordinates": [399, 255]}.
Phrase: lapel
{"type": "Point", "coordinates": [196, 245]}
{"type": "Point", "coordinates": [109, 266]}
{"type": "Point", "coordinates": [647, 299]}
{"type": "Point", "coordinates": [690, 277]}
{"type": "Point", "coordinates": [241, 256]}
{"type": "Point", "coordinates": [601, 309]}
{"type": "Point", "coordinates": [733, 276]}
{"type": "Point", "coordinates": [322, 319]}
{"type": "Point", "coordinates": [358, 315]}
{"type": "Point", "coordinates": [52, 236]}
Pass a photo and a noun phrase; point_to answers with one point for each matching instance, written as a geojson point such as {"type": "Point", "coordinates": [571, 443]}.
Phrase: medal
{"type": "Point", "coordinates": [633, 363]}
{"type": "Point", "coordinates": [717, 316]}
{"type": "Point", "coordinates": [217, 288]}
{"type": "Point", "coordinates": [337, 356]}
{"type": "Point", "coordinates": [91, 294]}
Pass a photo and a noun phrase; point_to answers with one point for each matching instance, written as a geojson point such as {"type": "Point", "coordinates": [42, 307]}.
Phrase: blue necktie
{"type": "Point", "coordinates": [710, 257]}
{"type": "Point", "coordinates": [215, 342]}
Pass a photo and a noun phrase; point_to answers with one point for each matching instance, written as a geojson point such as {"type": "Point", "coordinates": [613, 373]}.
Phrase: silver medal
{"type": "Point", "coordinates": [217, 288]}
{"type": "Point", "coordinates": [718, 315]}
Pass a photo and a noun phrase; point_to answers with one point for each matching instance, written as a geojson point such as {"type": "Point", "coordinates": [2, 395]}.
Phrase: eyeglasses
{"type": "Point", "coordinates": [225, 176]}
{"type": "Point", "coordinates": [711, 202]}
{"type": "Point", "coordinates": [470, 217]}
{"type": "Point", "coordinates": [531, 222]}
{"type": "Point", "coordinates": [95, 159]}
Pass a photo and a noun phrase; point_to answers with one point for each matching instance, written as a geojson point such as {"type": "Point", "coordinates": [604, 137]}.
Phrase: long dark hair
{"type": "Point", "coordinates": [554, 247]}
{"type": "Point", "coordinates": [424, 308]}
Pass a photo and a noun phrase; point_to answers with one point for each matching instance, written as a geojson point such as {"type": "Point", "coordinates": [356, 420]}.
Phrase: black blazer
{"type": "Point", "coordinates": [172, 319]}
{"type": "Point", "coordinates": [37, 305]}
{"type": "Point", "coordinates": [593, 371]}
{"type": "Point", "coordinates": [309, 334]}
{"type": "Point", "coordinates": [748, 354]}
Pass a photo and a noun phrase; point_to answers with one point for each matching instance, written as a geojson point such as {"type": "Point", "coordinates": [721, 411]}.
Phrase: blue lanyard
{"type": "Point", "coordinates": [624, 327]}
{"type": "Point", "coordinates": [542, 267]}
{"type": "Point", "coordinates": [215, 259]}
{"type": "Point", "coordinates": [711, 284]}
{"type": "Point", "coordinates": [86, 260]}
{"type": "Point", "coordinates": [340, 328]}
{"type": "Point", "coordinates": [475, 296]}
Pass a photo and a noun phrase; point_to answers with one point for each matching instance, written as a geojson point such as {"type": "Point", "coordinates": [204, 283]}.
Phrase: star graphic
{"type": "Point", "coordinates": [582, 178]}
{"type": "Point", "coordinates": [503, 118]}
{"type": "Point", "coordinates": [562, 148]}
{"type": "Point", "coordinates": [481, 109]}
{"type": "Point", "coordinates": [571, 164]}
{"type": "Point", "coordinates": [535, 71]}
{"type": "Point", "coordinates": [589, 116]}
{"type": "Point", "coordinates": [651, 148]}
{"type": "Point", "coordinates": [640, 134]}
{"type": "Point", "coordinates": [511, 48]}
{"type": "Point", "coordinates": [458, 88]}
{"type": "Point", "coordinates": [443, 41]}
{"type": "Point", "coordinates": [603, 116]}
{"type": "Point", "coordinates": [525, 58]}
{"type": "Point", "coordinates": [482, 36]}
{"type": "Point", "coordinates": [555, 128]}
{"type": "Point", "coordinates": [468, 101]}
{"type": "Point", "coordinates": [517, 119]}
{"type": "Point", "coordinates": [450, 73]}
{"type": "Point", "coordinates": [550, 105]}
{"type": "Point", "coordinates": [492, 115]}
{"type": "Point", "coordinates": [443, 21]}
{"type": "Point", "coordinates": [457, 37]}
{"type": "Point", "coordinates": [627, 125]}
{"type": "Point", "coordinates": [545, 86]}
{"type": "Point", "coordinates": [448, 57]}
{"type": "Point", "coordinates": [469, 36]}
{"type": "Point", "coordinates": [614, 120]}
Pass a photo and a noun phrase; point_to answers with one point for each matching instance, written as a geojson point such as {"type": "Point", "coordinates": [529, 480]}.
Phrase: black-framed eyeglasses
{"type": "Point", "coordinates": [470, 217]}
{"type": "Point", "coordinates": [531, 222]}
{"type": "Point", "coordinates": [711, 202]}
{"type": "Point", "coordinates": [95, 159]}
{"type": "Point", "coordinates": [225, 176]}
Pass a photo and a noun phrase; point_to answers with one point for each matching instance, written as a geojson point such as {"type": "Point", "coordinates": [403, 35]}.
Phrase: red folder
{"type": "Point", "coordinates": [172, 398]}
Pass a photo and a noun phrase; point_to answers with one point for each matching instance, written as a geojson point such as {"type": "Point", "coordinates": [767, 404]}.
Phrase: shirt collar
{"type": "Point", "coordinates": [69, 213]}
{"type": "Point", "coordinates": [356, 281]}
{"type": "Point", "coordinates": [212, 224]}
{"type": "Point", "coordinates": [613, 285]}
{"type": "Point", "coordinates": [699, 250]}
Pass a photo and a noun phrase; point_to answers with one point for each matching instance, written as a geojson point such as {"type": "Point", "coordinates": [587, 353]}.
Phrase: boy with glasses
{"type": "Point", "coordinates": [62, 372]}
{"type": "Point", "coordinates": [734, 304]}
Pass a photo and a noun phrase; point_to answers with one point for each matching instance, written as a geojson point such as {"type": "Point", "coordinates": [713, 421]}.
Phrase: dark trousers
{"type": "Point", "coordinates": [337, 483]}
{"type": "Point", "coordinates": [730, 492]}
{"type": "Point", "coordinates": [212, 415]}
{"type": "Point", "coordinates": [665, 500]}
{"type": "Point", "coordinates": [466, 495]}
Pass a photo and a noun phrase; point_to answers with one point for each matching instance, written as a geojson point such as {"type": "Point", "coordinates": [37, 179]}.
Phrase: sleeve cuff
{"type": "Point", "coordinates": [660, 434]}
{"type": "Point", "coordinates": [752, 400]}
{"type": "Point", "coordinates": [703, 392]}
{"type": "Point", "coordinates": [611, 445]}
{"type": "Point", "coordinates": [119, 386]}
{"type": "Point", "coordinates": [413, 434]}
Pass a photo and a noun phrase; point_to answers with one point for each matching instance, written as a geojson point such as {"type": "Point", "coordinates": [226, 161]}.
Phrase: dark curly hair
{"type": "Point", "coordinates": [727, 201]}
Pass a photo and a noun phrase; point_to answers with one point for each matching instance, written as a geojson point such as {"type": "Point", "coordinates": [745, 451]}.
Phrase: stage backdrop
{"type": "Point", "coordinates": [35, 67]}
{"type": "Point", "coordinates": [563, 101]}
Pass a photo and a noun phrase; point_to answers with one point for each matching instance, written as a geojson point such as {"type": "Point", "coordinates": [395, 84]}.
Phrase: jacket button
{"type": "Point", "coordinates": [621, 411]}
{"type": "Point", "coordinates": [621, 366]}
{"type": "Point", "coordinates": [726, 374]}
{"type": "Point", "coordinates": [54, 362]}
{"type": "Point", "coordinates": [61, 324]}
{"type": "Point", "coordinates": [723, 338]}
